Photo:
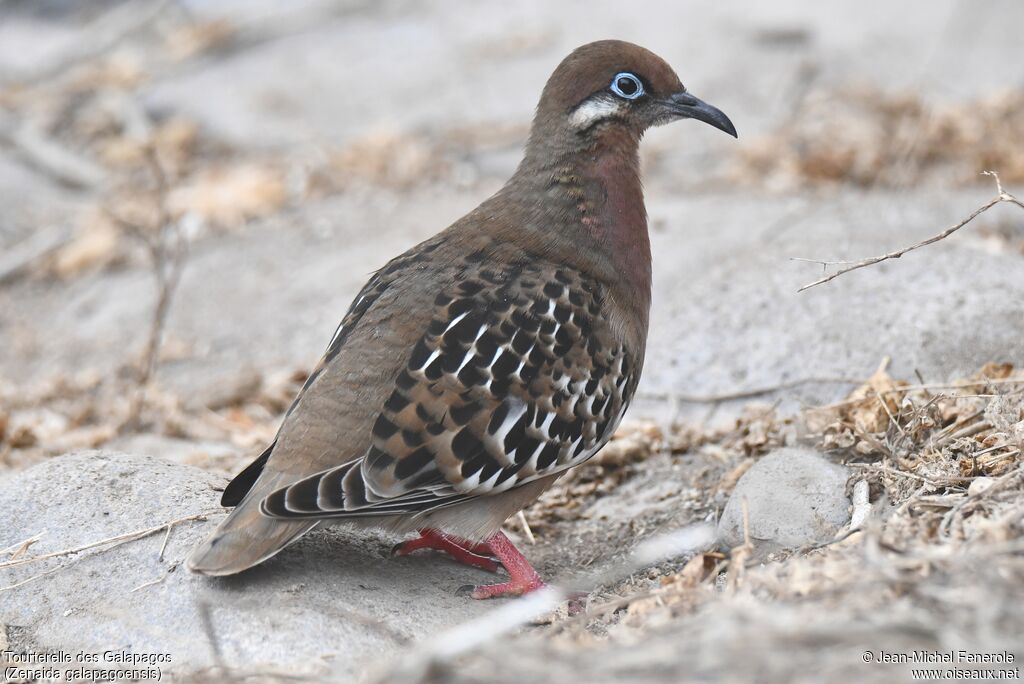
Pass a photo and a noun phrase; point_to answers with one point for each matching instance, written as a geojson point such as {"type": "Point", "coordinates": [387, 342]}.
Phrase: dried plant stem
{"type": "Point", "coordinates": [1001, 196]}
{"type": "Point", "coordinates": [16, 550]}
{"type": "Point", "coordinates": [167, 251]}
{"type": "Point", "coordinates": [168, 275]}
{"type": "Point", "coordinates": [100, 36]}
{"type": "Point", "coordinates": [861, 505]}
{"type": "Point", "coordinates": [521, 518]}
{"type": "Point", "coordinates": [946, 434]}
{"type": "Point", "coordinates": [748, 393]}
{"type": "Point", "coordinates": [40, 575]}
{"type": "Point", "coordinates": [892, 471]}
{"type": "Point", "coordinates": [171, 568]}
{"type": "Point", "coordinates": [112, 541]}
{"type": "Point", "coordinates": [968, 431]}
{"type": "Point", "coordinates": [167, 537]}
{"type": "Point", "coordinates": [963, 506]}
{"type": "Point", "coordinates": [919, 388]}
{"type": "Point", "coordinates": [740, 555]}
{"type": "Point", "coordinates": [759, 391]}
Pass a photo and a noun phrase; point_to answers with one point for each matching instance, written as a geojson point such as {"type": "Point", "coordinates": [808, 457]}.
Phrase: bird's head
{"type": "Point", "coordinates": [611, 83]}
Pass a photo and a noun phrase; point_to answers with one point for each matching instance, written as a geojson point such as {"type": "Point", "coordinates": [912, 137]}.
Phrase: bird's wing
{"type": "Point", "coordinates": [518, 376]}
{"type": "Point", "coordinates": [378, 284]}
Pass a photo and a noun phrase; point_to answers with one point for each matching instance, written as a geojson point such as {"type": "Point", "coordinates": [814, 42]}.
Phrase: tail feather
{"type": "Point", "coordinates": [246, 537]}
{"type": "Point", "coordinates": [245, 480]}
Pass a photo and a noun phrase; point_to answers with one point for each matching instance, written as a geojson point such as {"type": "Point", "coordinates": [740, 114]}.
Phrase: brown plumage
{"type": "Point", "coordinates": [476, 368]}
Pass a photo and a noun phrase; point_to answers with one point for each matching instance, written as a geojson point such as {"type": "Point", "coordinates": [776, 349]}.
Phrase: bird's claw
{"type": "Point", "coordinates": [430, 539]}
{"type": "Point", "coordinates": [505, 589]}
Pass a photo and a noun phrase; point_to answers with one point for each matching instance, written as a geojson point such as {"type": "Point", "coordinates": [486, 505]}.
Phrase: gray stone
{"type": "Point", "coordinates": [333, 604]}
{"type": "Point", "coordinates": [794, 497]}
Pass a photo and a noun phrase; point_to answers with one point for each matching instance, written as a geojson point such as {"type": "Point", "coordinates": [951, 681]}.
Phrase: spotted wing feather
{"type": "Point", "coordinates": [517, 377]}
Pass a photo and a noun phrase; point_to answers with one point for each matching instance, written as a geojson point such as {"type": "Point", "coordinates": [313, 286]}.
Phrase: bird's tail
{"type": "Point", "coordinates": [246, 537]}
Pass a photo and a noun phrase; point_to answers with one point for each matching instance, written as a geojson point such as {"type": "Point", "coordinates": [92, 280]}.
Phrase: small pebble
{"type": "Point", "coordinates": [979, 485]}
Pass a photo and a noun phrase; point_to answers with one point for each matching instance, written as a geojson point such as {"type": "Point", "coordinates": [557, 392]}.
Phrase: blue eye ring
{"type": "Point", "coordinates": [627, 86]}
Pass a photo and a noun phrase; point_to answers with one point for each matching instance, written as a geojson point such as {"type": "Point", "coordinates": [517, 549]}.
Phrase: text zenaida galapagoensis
{"type": "Point", "coordinates": [475, 369]}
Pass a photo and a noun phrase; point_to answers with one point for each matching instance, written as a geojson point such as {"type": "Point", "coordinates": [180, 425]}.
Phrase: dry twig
{"type": "Point", "coordinates": [916, 388]}
{"type": "Point", "coordinates": [43, 242]}
{"type": "Point", "coordinates": [747, 393]}
{"type": "Point", "coordinates": [168, 250]}
{"type": "Point", "coordinates": [16, 550]}
{"type": "Point", "coordinates": [45, 154]}
{"type": "Point", "coordinates": [1001, 196]}
{"type": "Point", "coordinates": [100, 36]}
{"type": "Point", "coordinates": [111, 541]}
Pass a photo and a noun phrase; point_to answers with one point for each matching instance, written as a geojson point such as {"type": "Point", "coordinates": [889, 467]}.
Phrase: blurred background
{"type": "Point", "coordinates": [193, 191]}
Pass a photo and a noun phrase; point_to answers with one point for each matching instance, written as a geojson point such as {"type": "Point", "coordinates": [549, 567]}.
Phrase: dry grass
{"type": "Point", "coordinates": [947, 490]}
{"type": "Point", "coordinates": [939, 563]}
{"type": "Point", "coordinates": [88, 411]}
{"type": "Point", "coordinates": [870, 138]}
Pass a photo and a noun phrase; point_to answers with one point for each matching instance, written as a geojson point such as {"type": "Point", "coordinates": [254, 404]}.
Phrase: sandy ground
{"type": "Point", "coordinates": [305, 146]}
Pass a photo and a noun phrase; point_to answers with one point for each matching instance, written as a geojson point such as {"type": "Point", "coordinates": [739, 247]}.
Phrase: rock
{"type": "Point", "coordinates": [979, 485]}
{"type": "Point", "coordinates": [241, 388]}
{"type": "Point", "coordinates": [211, 456]}
{"type": "Point", "coordinates": [331, 605]}
{"type": "Point", "coordinates": [794, 497]}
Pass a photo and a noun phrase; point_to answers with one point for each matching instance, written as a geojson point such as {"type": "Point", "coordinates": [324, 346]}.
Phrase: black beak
{"type": "Point", "coordinates": [685, 105]}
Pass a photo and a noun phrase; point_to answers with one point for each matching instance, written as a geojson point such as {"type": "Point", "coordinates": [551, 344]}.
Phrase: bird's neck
{"type": "Point", "coordinates": [592, 191]}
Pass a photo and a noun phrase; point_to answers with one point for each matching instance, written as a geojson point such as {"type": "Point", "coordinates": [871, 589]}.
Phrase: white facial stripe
{"type": "Point", "coordinates": [593, 110]}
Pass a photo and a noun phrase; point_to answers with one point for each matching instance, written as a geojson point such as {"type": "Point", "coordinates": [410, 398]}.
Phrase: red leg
{"type": "Point", "coordinates": [522, 577]}
{"type": "Point", "coordinates": [459, 549]}
{"type": "Point", "coordinates": [479, 548]}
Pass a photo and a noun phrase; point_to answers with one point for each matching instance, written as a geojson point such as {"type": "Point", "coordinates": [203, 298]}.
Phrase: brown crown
{"type": "Point", "coordinates": [591, 67]}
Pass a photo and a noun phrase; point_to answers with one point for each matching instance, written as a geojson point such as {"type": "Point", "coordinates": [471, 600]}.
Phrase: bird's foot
{"type": "Point", "coordinates": [486, 591]}
{"type": "Point", "coordinates": [461, 550]}
{"type": "Point", "coordinates": [522, 577]}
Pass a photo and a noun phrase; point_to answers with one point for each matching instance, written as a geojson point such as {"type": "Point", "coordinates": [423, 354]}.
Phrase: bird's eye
{"type": "Point", "coordinates": [627, 85]}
